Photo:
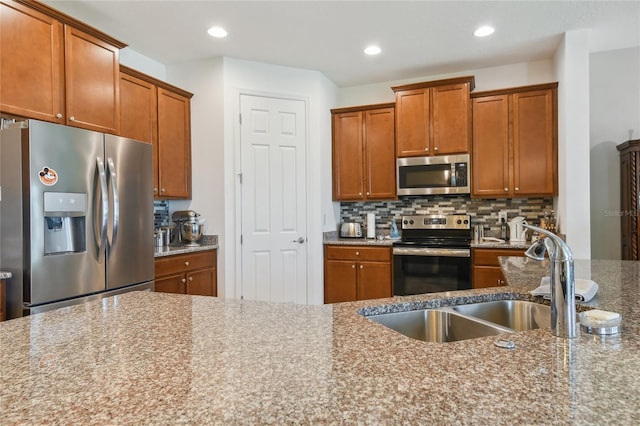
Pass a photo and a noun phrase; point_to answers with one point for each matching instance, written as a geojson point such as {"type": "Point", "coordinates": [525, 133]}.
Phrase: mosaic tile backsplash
{"type": "Point", "coordinates": [482, 211]}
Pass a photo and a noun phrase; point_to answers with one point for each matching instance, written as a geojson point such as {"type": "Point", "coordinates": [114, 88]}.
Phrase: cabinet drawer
{"type": "Point", "coordinates": [489, 257]}
{"type": "Point", "coordinates": [488, 276]}
{"type": "Point", "coordinates": [336, 252]}
{"type": "Point", "coordinates": [184, 262]}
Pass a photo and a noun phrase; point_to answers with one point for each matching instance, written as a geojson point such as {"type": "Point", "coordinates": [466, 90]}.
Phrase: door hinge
{"type": "Point", "coordinates": [240, 119]}
{"type": "Point", "coordinates": [240, 176]}
{"type": "Point", "coordinates": [240, 239]}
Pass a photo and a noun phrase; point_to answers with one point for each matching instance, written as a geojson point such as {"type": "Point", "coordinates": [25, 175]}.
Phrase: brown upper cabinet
{"type": "Point", "coordinates": [159, 113]}
{"type": "Point", "coordinates": [55, 68]}
{"type": "Point", "coordinates": [515, 142]}
{"type": "Point", "coordinates": [364, 166]}
{"type": "Point", "coordinates": [434, 118]}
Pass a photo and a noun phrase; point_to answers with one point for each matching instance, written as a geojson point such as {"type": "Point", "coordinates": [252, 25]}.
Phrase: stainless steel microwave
{"type": "Point", "coordinates": [443, 174]}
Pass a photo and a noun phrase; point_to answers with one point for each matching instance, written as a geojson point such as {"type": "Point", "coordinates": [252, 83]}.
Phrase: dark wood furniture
{"type": "Point", "coordinates": [434, 117]}
{"type": "Point", "coordinates": [192, 273]}
{"type": "Point", "coordinates": [486, 270]}
{"type": "Point", "coordinates": [515, 142]}
{"type": "Point", "coordinates": [156, 112]}
{"type": "Point", "coordinates": [363, 153]}
{"type": "Point", "coordinates": [629, 170]}
{"type": "Point", "coordinates": [356, 273]}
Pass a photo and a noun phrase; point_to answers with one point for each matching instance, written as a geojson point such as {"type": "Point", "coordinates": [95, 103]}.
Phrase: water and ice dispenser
{"type": "Point", "coordinates": [64, 222]}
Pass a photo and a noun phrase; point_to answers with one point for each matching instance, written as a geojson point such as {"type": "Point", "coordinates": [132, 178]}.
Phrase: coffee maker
{"type": "Point", "coordinates": [188, 230]}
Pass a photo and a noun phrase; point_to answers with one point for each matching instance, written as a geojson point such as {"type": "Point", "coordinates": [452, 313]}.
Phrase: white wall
{"type": "Point", "coordinates": [319, 93]}
{"type": "Point", "coordinates": [615, 117]}
{"type": "Point", "coordinates": [514, 75]}
{"type": "Point", "coordinates": [573, 206]}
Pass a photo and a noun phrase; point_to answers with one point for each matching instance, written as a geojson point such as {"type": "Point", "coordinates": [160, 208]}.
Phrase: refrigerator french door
{"type": "Point", "coordinates": [76, 216]}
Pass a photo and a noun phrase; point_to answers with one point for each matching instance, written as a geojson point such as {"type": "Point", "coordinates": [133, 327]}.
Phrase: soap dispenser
{"type": "Point", "coordinates": [394, 234]}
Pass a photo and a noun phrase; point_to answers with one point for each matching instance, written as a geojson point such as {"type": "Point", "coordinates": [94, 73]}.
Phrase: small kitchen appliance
{"type": "Point", "coordinates": [350, 230]}
{"type": "Point", "coordinates": [188, 227]}
{"type": "Point", "coordinates": [517, 232]}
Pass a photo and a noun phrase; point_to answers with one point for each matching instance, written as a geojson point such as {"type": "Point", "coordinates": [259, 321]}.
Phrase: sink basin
{"type": "Point", "coordinates": [469, 321]}
{"type": "Point", "coordinates": [437, 325]}
{"type": "Point", "coordinates": [518, 315]}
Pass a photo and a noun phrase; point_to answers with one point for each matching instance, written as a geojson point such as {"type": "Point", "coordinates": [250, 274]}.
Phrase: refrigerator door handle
{"type": "Point", "coordinates": [104, 202]}
{"type": "Point", "coordinates": [116, 201]}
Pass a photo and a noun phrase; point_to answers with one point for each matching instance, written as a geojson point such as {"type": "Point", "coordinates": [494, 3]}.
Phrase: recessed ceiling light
{"type": "Point", "coordinates": [218, 32]}
{"type": "Point", "coordinates": [372, 50]}
{"type": "Point", "coordinates": [484, 31]}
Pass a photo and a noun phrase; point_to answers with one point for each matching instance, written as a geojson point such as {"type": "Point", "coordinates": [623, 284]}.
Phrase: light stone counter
{"type": "Point", "coordinates": [153, 358]}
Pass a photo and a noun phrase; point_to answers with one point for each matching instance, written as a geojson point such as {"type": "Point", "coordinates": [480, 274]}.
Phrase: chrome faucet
{"type": "Point", "coordinates": [563, 293]}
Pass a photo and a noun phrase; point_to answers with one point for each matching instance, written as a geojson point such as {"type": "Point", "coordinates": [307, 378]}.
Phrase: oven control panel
{"type": "Point", "coordinates": [434, 221]}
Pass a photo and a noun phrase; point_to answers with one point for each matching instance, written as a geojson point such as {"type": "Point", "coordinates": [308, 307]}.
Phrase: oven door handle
{"type": "Point", "coordinates": [432, 252]}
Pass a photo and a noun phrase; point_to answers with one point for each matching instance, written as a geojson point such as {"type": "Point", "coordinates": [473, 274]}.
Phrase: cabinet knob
{"type": "Point", "coordinates": [367, 193]}
{"type": "Point", "coordinates": [357, 253]}
{"type": "Point", "coordinates": [426, 149]}
{"type": "Point", "coordinates": [517, 189]}
{"type": "Point", "coordinates": [359, 193]}
{"type": "Point", "coordinates": [361, 267]}
{"type": "Point", "coordinates": [190, 279]}
{"type": "Point", "coordinates": [155, 190]}
{"type": "Point", "coordinates": [435, 149]}
{"type": "Point", "coordinates": [506, 190]}
{"type": "Point", "coordinates": [72, 118]}
{"type": "Point", "coordinates": [162, 190]}
{"type": "Point", "coordinates": [184, 280]}
{"type": "Point", "coordinates": [58, 115]}
{"type": "Point", "coordinates": [353, 266]}
{"type": "Point", "coordinates": [186, 263]}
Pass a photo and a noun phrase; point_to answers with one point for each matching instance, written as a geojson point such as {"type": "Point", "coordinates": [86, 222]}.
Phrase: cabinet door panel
{"type": "Point", "coordinates": [201, 283]}
{"type": "Point", "coordinates": [174, 145]}
{"type": "Point", "coordinates": [413, 129]}
{"type": "Point", "coordinates": [451, 119]}
{"type": "Point", "coordinates": [490, 146]}
{"type": "Point", "coordinates": [340, 281]}
{"type": "Point", "coordinates": [347, 156]}
{"type": "Point", "coordinates": [487, 276]}
{"type": "Point", "coordinates": [171, 284]}
{"type": "Point", "coordinates": [374, 280]}
{"type": "Point", "coordinates": [534, 152]}
{"type": "Point", "coordinates": [92, 71]}
{"type": "Point", "coordinates": [31, 64]}
{"type": "Point", "coordinates": [379, 147]}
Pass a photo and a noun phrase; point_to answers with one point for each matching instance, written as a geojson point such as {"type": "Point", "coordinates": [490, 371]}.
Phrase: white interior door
{"type": "Point", "coordinates": [274, 248]}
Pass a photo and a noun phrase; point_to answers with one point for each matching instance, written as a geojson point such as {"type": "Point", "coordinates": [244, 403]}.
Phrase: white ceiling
{"type": "Point", "coordinates": [418, 38]}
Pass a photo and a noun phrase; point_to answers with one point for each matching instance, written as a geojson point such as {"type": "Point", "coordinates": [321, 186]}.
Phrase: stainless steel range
{"type": "Point", "coordinates": [433, 255]}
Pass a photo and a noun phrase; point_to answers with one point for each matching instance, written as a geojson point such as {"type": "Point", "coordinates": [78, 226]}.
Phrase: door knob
{"type": "Point", "coordinates": [299, 240]}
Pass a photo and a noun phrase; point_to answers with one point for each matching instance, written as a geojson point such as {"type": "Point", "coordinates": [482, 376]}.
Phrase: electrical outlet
{"type": "Point", "coordinates": [502, 216]}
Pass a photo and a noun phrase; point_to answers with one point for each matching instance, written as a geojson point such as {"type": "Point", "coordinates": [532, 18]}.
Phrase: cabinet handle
{"type": "Point", "coordinates": [361, 267]}
{"type": "Point", "coordinates": [190, 279]}
{"type": "Point", "coordinates": [184, 280]}
{"type": "Point", "coordinates": [155, 190]}
{"type": "Point", "coordinates": [359, 193]}
{"type": "Point", "coordinates": [357, 253]}
{"type": "Point", "coordinates": [435, 149]}
{"type": "Point", "coordinates": [58, 115]}
{"type": "Point", "coordinates": [353, 266]}
{"type": "Point", "coordinates": [186, 263]}
{"type": "Point", "coordinates": [426, 149]}
{"type": "Point", "coordinates": [162, 190]}
{"type": "Point", "coordinates": [506, 190]}
{"type": "Point", "coordinates": [517, 189]}
{"type": "Point", "coordinates": [72, 118]}
{"type": "Point", "coordinates": [367, 193]}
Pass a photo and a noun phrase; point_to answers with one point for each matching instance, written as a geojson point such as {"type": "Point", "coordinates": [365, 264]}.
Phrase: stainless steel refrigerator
{"type": "Point", "coordinates": [76, 216]}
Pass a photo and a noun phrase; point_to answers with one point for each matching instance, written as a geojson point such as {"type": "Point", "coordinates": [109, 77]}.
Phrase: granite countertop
{"type": "Point", "coordinates": [209, 242]}
{"type": "Point", "coordinates": [333, 238]}
{"type": "Point", "coordinates": [5, 275]}
{"type": "Point", "coordinates": [154, 358]}
{"type": "Point", "coordinates": [499, 245]}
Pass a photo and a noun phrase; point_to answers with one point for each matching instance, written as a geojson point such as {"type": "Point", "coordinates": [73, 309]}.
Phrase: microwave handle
{"type": "Point", "coordinates": [454, 174]}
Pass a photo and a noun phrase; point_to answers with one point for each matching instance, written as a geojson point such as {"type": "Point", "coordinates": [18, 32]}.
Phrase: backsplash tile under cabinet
{"type": "Point", "coordinates": [482, 211]}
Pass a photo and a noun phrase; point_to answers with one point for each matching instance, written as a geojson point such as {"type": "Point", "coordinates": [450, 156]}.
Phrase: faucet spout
{"type": "Point", "coordinates": [563, 299]}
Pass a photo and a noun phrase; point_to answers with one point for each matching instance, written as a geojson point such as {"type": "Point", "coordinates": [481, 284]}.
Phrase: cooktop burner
{"type": "Point", "coordinates": [436, 231]}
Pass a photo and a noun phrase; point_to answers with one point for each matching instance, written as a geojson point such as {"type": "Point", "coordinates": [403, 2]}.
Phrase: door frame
{"type": "Point", "coordinates": [237, 167]}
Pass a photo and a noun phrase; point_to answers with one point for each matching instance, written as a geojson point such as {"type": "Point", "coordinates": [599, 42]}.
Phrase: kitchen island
{"type": "Point", "coordinates": [152, 358]}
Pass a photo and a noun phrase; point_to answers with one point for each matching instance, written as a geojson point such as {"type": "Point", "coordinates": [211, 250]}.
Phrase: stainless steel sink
{"type": "Point", "coordinates": [469, 321]}
{"type": "Point", "coordinates": [437, 325]}
{"type": "Point", "coordinates": [518, 315]}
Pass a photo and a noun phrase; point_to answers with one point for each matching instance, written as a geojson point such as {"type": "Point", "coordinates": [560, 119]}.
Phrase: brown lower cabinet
{"type": "Point", "coordinates": [486, 267]}
{"type": "Point", "coordinates": [191, 273]}
{"type": "Point", "coordinates": [356, 273]}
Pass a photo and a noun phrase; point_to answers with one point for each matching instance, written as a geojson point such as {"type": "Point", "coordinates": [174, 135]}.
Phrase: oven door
{"type": "Point", "coordinates": [419, 270]}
